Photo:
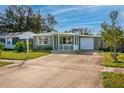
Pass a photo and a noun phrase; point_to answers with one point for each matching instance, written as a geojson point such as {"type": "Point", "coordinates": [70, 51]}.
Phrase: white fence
{"type": "Point", "coordinates": [68, 47]}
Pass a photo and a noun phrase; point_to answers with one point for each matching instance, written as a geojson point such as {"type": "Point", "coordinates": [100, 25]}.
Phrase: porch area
{"type": "Point", "coordinates": [65, 42]}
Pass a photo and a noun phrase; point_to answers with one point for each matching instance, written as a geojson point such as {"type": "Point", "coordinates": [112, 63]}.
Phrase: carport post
{"type": "Point", "coordinates": [53, 42]}
{"type": "Point", "coordinates": [58, 42]}
{"type": "Point", "coordinates": [27, 40]}
{"type": "Point", "coordinates": [74, 43]}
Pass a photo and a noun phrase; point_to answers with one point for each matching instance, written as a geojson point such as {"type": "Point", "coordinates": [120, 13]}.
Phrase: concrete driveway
{"type": "Point", "coordinates": [55, 70]}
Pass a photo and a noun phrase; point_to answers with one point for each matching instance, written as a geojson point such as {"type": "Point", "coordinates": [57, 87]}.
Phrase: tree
{"type": "Point", "coordinates": [15, 19]}
{"type": "Point", "coordinates": [50, 23]}
{"type": "Point", "coordinates": [82, 31]}
{"type": "Point", "coordinates": [22, 18]}
{"type": "Point", "coordinates": [7, 22]}
{"type": "Point", "coordinates": [38, 23]}
{"type": "Point", "coordinates": [112, 34]}
{"type": "Point", "coordinates": [29, 19]}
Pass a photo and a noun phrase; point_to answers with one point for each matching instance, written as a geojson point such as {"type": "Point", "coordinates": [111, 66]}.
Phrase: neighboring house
{"type": "Point", "coordinates": [66, 41]}
{"type": "Point", "coordinates": [10, 39]}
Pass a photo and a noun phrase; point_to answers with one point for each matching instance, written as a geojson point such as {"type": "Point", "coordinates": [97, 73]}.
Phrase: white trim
{"type": "Point", "coordinates": [58, 42]}
{"type": "Point", "coordinates": [55, 33]}
{"type": "Point", "coordinates": [74, 43]}
{"type": "Point", "coordinates": [68, 47]}
{"type": "Point", "coordinates": [92, 36]}
{"type": "Point", "coordinates": [53, 42]}
{"type": "Point", "coordinates": [27, 41]}
{"type": "Point", "coordinates": [42, 44]}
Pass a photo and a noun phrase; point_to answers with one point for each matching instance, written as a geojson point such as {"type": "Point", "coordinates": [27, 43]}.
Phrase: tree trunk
{"type": "Point", "coordinates": [111, 51]}
{"type": "Point", "coordinates": [114, 56]}
{"type": "Point", "coordinates": [0, 52]}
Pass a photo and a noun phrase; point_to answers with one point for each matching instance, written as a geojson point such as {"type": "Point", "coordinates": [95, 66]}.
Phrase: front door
{"type": "Point", "coordinates": [8, 43]}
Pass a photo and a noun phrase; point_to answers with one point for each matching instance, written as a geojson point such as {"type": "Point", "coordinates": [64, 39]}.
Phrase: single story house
{"type": "Point", "coordinates": [10, 39]}
{"type": "Point", "coordinates": [66, 41]}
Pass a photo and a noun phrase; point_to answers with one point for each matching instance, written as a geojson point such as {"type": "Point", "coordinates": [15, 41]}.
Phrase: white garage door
{"type": "Point", "coordinates": [87, 43]}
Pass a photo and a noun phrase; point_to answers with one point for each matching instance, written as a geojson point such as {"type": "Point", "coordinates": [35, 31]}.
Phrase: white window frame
{"type": "Point", "coordinates": [67, 40]}
{"type": "Point", "coordinates": [43, 41]}
{"type": "Point", "coordinates": [8, 39]}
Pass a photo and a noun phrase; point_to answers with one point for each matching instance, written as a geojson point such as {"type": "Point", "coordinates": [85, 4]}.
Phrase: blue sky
{"type": "Point", "coordinates": [72, 16]}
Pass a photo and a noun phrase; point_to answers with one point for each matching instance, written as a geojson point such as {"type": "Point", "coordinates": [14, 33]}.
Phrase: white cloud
{"type": "Point", "coordinates": [65, 10]}
{"type": "Point", "coordinates": [74, 8]}
{"type": "Point", "coordinates": [90, 23]}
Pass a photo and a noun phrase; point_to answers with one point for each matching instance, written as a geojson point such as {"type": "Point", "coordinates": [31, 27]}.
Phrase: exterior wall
{"type": "Point", "coordinates": [14, 40]}
{"type": "Point", "coordinates": [79, 42]}
{"type": "Point", "coordinates": [34, 43]}
{"type": "Point", "coordinates": [36, 46]}
{"type": "Point", "coordinates": [97, 43]}
{"type": "Point", "coordinates": [103, 45]}
{"type": "Point", "coordinates": [2, 40]}
{"type": "Point", "coordinates": [55, 42]}
{"type": "Point", "coordinates": [9, 43]}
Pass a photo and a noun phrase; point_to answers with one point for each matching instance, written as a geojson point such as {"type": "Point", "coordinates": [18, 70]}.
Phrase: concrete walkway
{"type": "Point", "coordinates": [113, 69]}
{"type": "Point", "coordinates": [6, 60]}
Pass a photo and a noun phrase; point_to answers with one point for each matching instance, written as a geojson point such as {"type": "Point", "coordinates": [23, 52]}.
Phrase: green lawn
{"type": "Point", "coordinates": [22, 55]}
{"type": "Point", "coordinates": [107, 60]}
{"type": "Point", "coordinates": [5, 63]}
{"type": "Point", "coordinates": [113, 80]}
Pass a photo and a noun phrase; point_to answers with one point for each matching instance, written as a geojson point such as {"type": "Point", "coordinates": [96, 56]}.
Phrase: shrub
{"type": "Point", "coordinates": [1, 47]}
{"type": "Point", "coordinates": [20, 46]}
{"type": "Point", "coordinates": [107, 49]}
{"type": "Point", "coordinates": [122, 51]}
{"type": "Point", "coordinates": [30, 45]}
{"type": "Point", "coordinates": [48, 48]}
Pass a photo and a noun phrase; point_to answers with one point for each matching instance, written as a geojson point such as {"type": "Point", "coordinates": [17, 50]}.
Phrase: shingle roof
{"type": "Point", "coordinates": [16, 34]}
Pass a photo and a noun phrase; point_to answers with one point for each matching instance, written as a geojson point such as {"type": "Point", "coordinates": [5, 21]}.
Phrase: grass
{"type": "Point", "coordinates": [23, 55]}
{"type": "Point", "coordinates": [107, 60]}
{"type": "Point", "coordinates": [5, 63]}
{"type": "Point", "coordinates": [113, 80]}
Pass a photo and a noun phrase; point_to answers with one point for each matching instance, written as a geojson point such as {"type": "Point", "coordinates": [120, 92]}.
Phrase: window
{"type": "Point", "coordinates": [66, 40]}
{"type": "Point", "coordinates": [43, 40]}
{"type": "Point", "coordinates": [69, 41]}
{"type": "Point", "coordinates": [9, 41]}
